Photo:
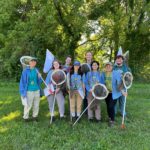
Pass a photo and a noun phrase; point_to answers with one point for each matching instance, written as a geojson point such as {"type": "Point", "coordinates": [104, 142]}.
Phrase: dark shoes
{"type": "Point", "coordinates": [27, 120]}
{"type": "Point", "coordinates": [94, 120]}
{"type": "Point", "coordinates": [35, 119]}
{"type": "Point", "coordinates": [91, 119]}
{"type": "Point", "coordinates": [63, 118]}
{"type": "Point", "coordinates": [97, 121]}
{"type": "Point", "coordinates": [111, 123]}
{"type": "Point", "coordinates": [31, 119]}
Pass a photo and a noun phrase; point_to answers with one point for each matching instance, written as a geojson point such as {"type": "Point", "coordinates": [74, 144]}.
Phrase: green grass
{"type": "Point", "coordinates": [15, 134]}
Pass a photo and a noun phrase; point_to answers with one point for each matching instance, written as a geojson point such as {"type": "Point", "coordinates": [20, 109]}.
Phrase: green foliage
{"type": "Point", "coordinates": [72, 27]}
{"type": "Point", "coordinates": [16, 134]}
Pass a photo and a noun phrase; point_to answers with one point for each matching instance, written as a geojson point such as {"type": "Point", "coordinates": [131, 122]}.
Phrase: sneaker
{"type": "Point", "coordinates": [97, 121]}
{"type": "Point", "coordinates": [35, 119]}
{"type": "Point", "coordinates": [53, 119]}
{"type": "Point", "coordinates": [62, 117]}
{"type": "Point", "coordinates": [73, 119]}
{"type": "Point", "coordinates": [27, 120]}
{"type": "Point", "coordinates": [91, 120]}
{"type": "Point", "coordinates": [111, 123]}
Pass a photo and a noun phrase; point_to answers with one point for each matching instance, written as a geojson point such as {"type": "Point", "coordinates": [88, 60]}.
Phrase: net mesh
{"type": "Point", "coordinates": [58, 77]}
{"type": "Point", "coordinates": [100, 91]}
{"type": "Point", "coordinates": [85, 68]}
{"type": "Point", "coordinates": [127, 80]}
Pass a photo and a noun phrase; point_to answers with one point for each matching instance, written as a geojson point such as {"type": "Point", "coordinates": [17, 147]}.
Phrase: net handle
{"type": "Point", "coordinates": [68, 81]}
{"type": "Point", "coordinates": [61, 81]}
{"type": "Point", "coordinates": [124, 80]}
{"type": "Point", "coordinates": [99, 98]}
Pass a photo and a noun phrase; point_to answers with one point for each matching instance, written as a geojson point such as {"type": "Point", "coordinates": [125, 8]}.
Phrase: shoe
{"type": "Point", "coordinates": [62, 117]}
{"type": "Point", "coordinates": [73, 119]}
{"type": "Point", "coordinates": [111, 123]}
{"type": "Point", "coordinates": [91, 120]}
{"type": "Point", "coordinates": [97, 121]}
{"type": "Point", "coordinates": [53, 119]}
{"type": "Point", "coordinates": [35, 119]}
{"type": "Point", "coordinates": [27, 120]}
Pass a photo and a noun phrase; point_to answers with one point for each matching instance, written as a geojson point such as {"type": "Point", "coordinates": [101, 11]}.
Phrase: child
{"type": "Point", "coordinates": [108, 82]}
{"type": "Point", "coordinates": [59, 95]}
{"type": "Point", "coordinates": [92, 78]}
{"type": "Point", "coordinates": [76, 90]}
{"type": "Point", "coordinates": [30, 90]}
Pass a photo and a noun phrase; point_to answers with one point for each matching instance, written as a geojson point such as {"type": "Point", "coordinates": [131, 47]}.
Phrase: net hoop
{"type": "Point", "coordinates": [100, 98]}
{"type": "Point", "coordinates": [127, 73]}
{"type": "Point", "coordinates": [88, 67]}
{"type": "Point", "coordinates": [61, 81]}
{"type": "Point", "coordinates": [27, 58]}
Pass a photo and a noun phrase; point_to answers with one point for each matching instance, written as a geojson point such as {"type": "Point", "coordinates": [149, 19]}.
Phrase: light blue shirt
{"type": "Point", "coordinates": [76, 81]}
{"type": "Point", "coordinates": [92, 78]}
{"type": "Point", "coordinates": [116, 81]}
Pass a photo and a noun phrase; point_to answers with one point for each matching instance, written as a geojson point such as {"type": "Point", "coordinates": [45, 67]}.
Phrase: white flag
{"type": "Point", "coordinates": [48, 61]}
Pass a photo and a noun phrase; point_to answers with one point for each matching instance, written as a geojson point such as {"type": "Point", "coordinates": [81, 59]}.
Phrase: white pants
{"type": "Point", "coordinates": [60, 101]}
{"type": "Point", "coordinates": [33, 100]}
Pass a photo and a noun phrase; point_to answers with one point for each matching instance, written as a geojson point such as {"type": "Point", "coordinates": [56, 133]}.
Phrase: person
{"type": "Point", "coordinates": [122, 68]}
{"type": "Point", "coordinates": [30, 90]}
{"type": "Point", "coordinates": [108, 83]}
{"type": "Point", "coordinates": [88, 60]}
{"type": "Point", "coordinates": [66, 68]}
{"type": "Point", "coordinates": [76, 90]}
{"type": "Point", "coordinates": [118, 92]}
{"type": "Point", "coordinates": [92, 78]}
{"type": "Point", "coordinates": [67, 65]}
{"type": "Point", "coordinates": [59, 95]}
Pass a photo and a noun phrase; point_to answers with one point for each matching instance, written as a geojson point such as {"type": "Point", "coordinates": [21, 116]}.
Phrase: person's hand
{"type": "Point", "coordinates": [57, 90]}
{"type": "Point", "coordinates": [50, 91]}
{"type": "Point", "coordinates": [39, 75]}
{"type": "Point", "coordinates": [124, 93]}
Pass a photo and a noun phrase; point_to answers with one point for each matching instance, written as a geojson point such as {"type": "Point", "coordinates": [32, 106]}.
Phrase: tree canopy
{"type": "Point", "coordinates": [72, 27]}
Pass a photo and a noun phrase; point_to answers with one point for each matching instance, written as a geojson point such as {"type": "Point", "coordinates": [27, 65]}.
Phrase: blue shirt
{"type": "Point", "coordinates": [117, 74]}
{"type": "Point", "coordinates": [32, 84]}
{"type": "Point", "coordinates": [116, 81]}
{"type": "Point", "coordinates": [92, 78]}
{"type": "Point", "coordinates": [25, 80]}
{"type": "Point", "coordinates": [76, 81]}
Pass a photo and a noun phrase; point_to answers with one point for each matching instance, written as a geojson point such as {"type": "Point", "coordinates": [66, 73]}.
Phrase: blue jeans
{"type": "Point", "coordinates": [121, 101]}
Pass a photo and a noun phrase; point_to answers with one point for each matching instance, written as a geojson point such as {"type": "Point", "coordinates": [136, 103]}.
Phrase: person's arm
{"type": "Point", "coordinates": [23, 84]}
{"type": "Point", "coordinates": [102, 78]}
{"type": "Point", "coordinates": [87, 85]}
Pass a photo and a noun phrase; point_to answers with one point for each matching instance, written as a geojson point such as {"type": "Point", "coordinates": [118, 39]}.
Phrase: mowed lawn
{"type": "Point", "coordinates": [15, 134]}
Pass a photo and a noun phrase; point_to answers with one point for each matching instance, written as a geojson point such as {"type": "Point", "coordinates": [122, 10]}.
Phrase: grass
{"type": "Point", "coordinates": [15, 134]}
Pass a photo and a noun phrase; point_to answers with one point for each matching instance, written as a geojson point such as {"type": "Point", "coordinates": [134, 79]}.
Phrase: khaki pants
{"type": "Point", "coordinates": [60, 101]}
{"type": "Point", "coordinates": [33, 100]}
{"type": "Point", "coordinates": [75, 103]}
{"type": "Point", "coordinates": [94, 107]}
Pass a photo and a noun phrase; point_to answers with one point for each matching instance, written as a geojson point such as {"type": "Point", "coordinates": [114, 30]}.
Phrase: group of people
{"type": "Point", "coordinates": [80, 91]}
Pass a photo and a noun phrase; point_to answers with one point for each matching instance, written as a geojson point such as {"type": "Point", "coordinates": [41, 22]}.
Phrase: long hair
{"type": "Point", "coordinates": [96, 63]}
{"type": "Point", "coordinates": [85, 55]}
{"type": "Point", "coordinates": [60, 67]}
{"type": "Point", "coordinates": [72, 71]}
